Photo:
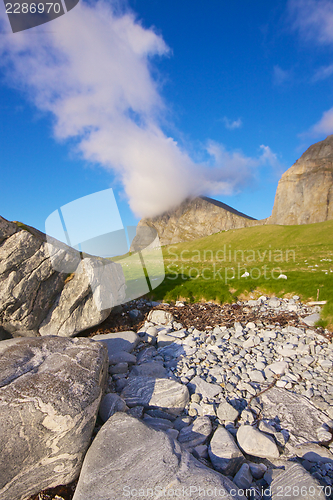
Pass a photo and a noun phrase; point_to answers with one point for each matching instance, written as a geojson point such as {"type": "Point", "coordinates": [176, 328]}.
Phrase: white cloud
{"type": "Point", "coordinates": [232, 125]}
{"type": "Point", "coordinates": [324, 126]}
{"type": "Point", "coordinates": [323, 73]}
{"type": "Point", "coordinates": [280, 76]}
{"type": "Point", "coordinates": [313, 19]}
{"type": "Point", "coordinates": [239, 170]}
{"type": "Point", "coordinates": [91, 72]}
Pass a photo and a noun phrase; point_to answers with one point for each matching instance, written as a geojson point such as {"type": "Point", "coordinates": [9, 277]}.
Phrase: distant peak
{"type": "Point", "coordinates": [226, 207]}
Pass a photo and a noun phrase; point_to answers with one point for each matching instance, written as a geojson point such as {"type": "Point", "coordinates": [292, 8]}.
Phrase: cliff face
{"type": "Point", "coordinates": [194, 219]}
{"type": "Point", "coordinates": [305, 192]}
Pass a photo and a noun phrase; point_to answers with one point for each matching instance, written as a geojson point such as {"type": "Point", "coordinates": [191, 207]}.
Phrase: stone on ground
{"type": "Point", "coordinates": [256, 443]}
{"type": "Point", "coordinates": [226, 412]}
{"type": "Point", "coordinates": [205, 389]}
{"type": "Point", "coordinates": [149, 369]}
{"type": "Point", "coordinates": [156, 393]}
{"type": "Point", "coordinates": [118, 341]}
{"type": "Point", "coordinates": [224, 453]}
{"type": "Point", "coordinates": [311, 319]}
{"type": "Point", "coordinates": [122, 357]}
{"type": "Point", "coordinates": [313, 452]}
{"type": "Point", "coordinates": [243, 478]}
{"type": "Point", "coordinates": [160, 317]}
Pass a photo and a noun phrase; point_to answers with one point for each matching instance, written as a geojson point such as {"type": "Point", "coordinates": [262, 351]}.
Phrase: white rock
{"type": "Point", "coordinates": [255, 443]}
{"type": "Point", "coordinates": [160, 317]}
{"type": "Point", "coordinates": [164, 340]}
{"type": "Point", "coordinates": [226, 412]}
{"type": "Point", "coordinates": [204, 388]}
{"type": "Point", "coordinates": [311, 319]}
{"type": "Point", "coordinates": [256, 376]}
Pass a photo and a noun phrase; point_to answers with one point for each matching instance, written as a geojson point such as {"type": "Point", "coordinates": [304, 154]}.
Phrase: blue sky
{"type": "Point", "coordinates": [162, 100]}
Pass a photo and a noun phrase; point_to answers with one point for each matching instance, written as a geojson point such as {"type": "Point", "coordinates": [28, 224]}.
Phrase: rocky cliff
{"type": "Point", "coordinates": [305, 192]}
{"type": "Point", "coordinates": [194, 219]}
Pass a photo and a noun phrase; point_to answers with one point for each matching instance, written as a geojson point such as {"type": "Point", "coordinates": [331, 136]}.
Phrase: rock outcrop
{"type": "Point", "coordinates": [193, 219]}
{"type": "Point", "coordinates": [50, 391]}
{"type": "Point", "coordinates": [36, 299]}
{"type": "Point", "coordinates": [305, 192]}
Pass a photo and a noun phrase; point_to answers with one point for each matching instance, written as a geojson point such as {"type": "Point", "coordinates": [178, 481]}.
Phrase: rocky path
{"type": "Point", "coordinates": [246, 389]}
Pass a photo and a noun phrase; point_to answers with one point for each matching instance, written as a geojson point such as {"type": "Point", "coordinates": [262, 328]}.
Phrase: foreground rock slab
{"type": "Point", "coordinates": [50, 391]}
{"type": "Point", "coordinates": [130, 460]}
{"type": "Point", "coordinates": [156, 393]}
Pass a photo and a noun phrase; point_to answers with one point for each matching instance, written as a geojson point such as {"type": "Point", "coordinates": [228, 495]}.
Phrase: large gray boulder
{"type": "Point", "coordinates": [50, 391]}
{"type": "Point", "coordinates": [36, 299]}
{"type": "Point", "coordinates": [131, 460]}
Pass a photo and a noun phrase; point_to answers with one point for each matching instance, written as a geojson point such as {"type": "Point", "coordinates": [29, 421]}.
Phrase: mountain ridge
{"type": "Point", "coordinates": [195, 218]}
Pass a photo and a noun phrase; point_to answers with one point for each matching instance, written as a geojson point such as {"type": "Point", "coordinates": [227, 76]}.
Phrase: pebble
{"type": "Point", "coordinates": [226, 412]}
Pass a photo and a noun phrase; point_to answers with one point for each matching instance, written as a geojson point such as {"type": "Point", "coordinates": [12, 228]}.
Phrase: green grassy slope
{"type": "Point", "coordinates": [211, 268]}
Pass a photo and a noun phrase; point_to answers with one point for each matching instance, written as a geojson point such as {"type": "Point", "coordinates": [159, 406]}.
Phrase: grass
{"type": "Point", "coordinates": [211, 268]}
